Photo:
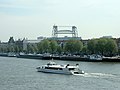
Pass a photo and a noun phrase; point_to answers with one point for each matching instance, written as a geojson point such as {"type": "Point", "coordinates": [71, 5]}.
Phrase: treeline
{"type": "Point", "coordinates": [69, 47]}
{"type": "Point", "coordinates": [102, 46]}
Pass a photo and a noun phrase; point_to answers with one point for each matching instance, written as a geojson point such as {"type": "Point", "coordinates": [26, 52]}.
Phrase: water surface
{"type": "Point", "coordinates": [21, 74]}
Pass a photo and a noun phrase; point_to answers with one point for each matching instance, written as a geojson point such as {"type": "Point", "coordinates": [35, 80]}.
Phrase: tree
{"type": "Point", "coordinates": [44, 46]}
{"type": "Point", "coordinates": [92, 46]}
{"type": "Point", "coordinates": [78, 45]}
{"type": "Point", "coordinates": [17, 49]}
{"type": "Point", "coordinates": [53, 46]}
{"type": "Point", "coordinates": [29, 48]}
{"type": "Point", "coordinates": [35, 49]}
{"type": "Point", "coordinates": [106, 46]}
{"type": "Point", "coordinates": [111, 47]}
{"type": "Point", "coordinates": [59, 49]}
{"type": "Point", "coordinates": [69, 46]}
{"type": "Point", "coordinates": [101, 46]}
{"type": "Point", "coordinates": [84, 49]}
{"type": "Point", "coordinates": [73, 46]}
{"type": "Point", "coordinates": [19, 46]}
{"type": "Point", "coordinates": [40, 48]}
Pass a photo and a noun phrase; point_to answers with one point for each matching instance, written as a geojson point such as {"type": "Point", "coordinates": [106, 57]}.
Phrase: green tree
{"type": "Point", "coordinates": [111, 47]}
{"type": "Point", "coordinates": [59, 49]}
{"type": "Point", "coordinates": [92, 45]}
{"type": "Point", "coordinates": [40, 48]}
{"type": "Point", "coordinates": [78, 45]}
{"type": "Point", "coordinates": [53, 46]}
{"type": "Point", "coordinates": [11, 48]}
{"type": "Point", "coordinates": [44, 46]}
{"type": "Point", "coordinates": [69, 46]}
{"type": "Point", "coordinates": [29, 48]}
{"type": "Point", "coordinates": [106, 46]}
{"type": "Point", "coordinates": [17, 49]}
{"type": "Point", "coordinates": [101, 46]}
{"type": "Point", "coordinates": [35, 49]}
{"type": "Point", "coordinates": [73, 46]}
{"type": "Point", "coordinates": [84, 49]}
{"type": "Point", "coordinates": [19, 46]}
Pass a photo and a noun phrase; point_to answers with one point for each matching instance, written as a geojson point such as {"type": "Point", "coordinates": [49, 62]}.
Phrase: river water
{"type": "Point", "coordinates": [21, 74]}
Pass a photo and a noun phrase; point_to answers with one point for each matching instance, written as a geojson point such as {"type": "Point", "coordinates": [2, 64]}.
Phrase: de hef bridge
{"type": "Point", "coordinates": [65, 30]}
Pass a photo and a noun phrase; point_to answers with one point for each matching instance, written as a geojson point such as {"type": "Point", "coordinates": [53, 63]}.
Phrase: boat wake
{"type": "Point", "coordinates": [97, 75]}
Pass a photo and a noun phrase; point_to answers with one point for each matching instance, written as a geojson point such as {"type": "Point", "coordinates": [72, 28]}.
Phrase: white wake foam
{"type": "Point", "coordinates": [97, 75]}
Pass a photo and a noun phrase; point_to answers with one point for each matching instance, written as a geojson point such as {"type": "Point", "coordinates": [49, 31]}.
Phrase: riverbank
{"type": "Point", "coordinates": [89, 58]}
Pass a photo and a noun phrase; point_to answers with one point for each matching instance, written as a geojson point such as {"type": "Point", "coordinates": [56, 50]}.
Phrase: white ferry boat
{"type": "Point", "coordinates": [52, 67]}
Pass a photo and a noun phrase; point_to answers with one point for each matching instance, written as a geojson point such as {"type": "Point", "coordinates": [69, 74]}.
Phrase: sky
{"type": "Point", "coordinates": [33, 18]}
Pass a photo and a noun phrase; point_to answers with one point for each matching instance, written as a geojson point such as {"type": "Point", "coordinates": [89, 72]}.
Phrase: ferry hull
{"type": "Point", "coordinates": [60, 71]}
{"type": "Point", "coordinates": [54, 71]}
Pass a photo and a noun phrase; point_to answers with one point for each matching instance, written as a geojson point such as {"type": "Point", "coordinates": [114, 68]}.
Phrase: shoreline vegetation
{"type": "Point", "coordinates": [102, 49]}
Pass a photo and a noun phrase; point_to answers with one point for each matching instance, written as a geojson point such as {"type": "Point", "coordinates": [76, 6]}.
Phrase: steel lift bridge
{"type": "Point", "coordinates": [71, 30]}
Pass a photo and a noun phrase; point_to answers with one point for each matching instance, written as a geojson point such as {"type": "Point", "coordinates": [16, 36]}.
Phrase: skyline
{"type": "Point", "coordinates": [33, 18]}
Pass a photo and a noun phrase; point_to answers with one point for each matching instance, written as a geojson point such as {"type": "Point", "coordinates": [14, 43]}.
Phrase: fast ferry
{"type": "Point", "coordinates": [52, 67]}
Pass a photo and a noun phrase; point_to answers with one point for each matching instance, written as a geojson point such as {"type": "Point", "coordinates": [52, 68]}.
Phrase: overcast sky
{"type": "Point", "coordinates": [34, 18]}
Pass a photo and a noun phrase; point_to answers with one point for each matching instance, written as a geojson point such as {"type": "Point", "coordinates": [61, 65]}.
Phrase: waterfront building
{"type": "Point", "coordinates": [31, 43]}
{"type": "Point", "coordinates": [19, 45]}
{"type": "Point", "coordinates": [107, 37]}
{"type": "Point", "coordinates": [11, 45]}
{"type": "Point", "coordinates": [85, 42]}
{"type": "Point", "coordinates": [64, 39]}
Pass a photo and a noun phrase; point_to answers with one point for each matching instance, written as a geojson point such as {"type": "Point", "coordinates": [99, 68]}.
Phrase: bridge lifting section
{"type": "Point", "coordinates": [57, 31]}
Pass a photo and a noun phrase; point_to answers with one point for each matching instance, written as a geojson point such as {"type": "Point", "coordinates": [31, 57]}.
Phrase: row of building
{"type": "Point", "coordinates": [24, 43]}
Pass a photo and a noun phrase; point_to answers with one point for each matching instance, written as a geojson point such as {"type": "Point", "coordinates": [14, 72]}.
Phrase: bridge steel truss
{"type": "Point", "coordinates": [56, 31]}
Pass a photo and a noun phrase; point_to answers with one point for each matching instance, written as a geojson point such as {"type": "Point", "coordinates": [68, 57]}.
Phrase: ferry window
{"type": "Point", "coordinates": [71, 68]}
{"type": "Point", "coordinates": [46, 68]}
{"type": "Point", "coordinates": [53, 68]}
{"type": "Point", "coordinates": [60, 68]}
{"type": "Point", "coordinates": [48, 64]}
